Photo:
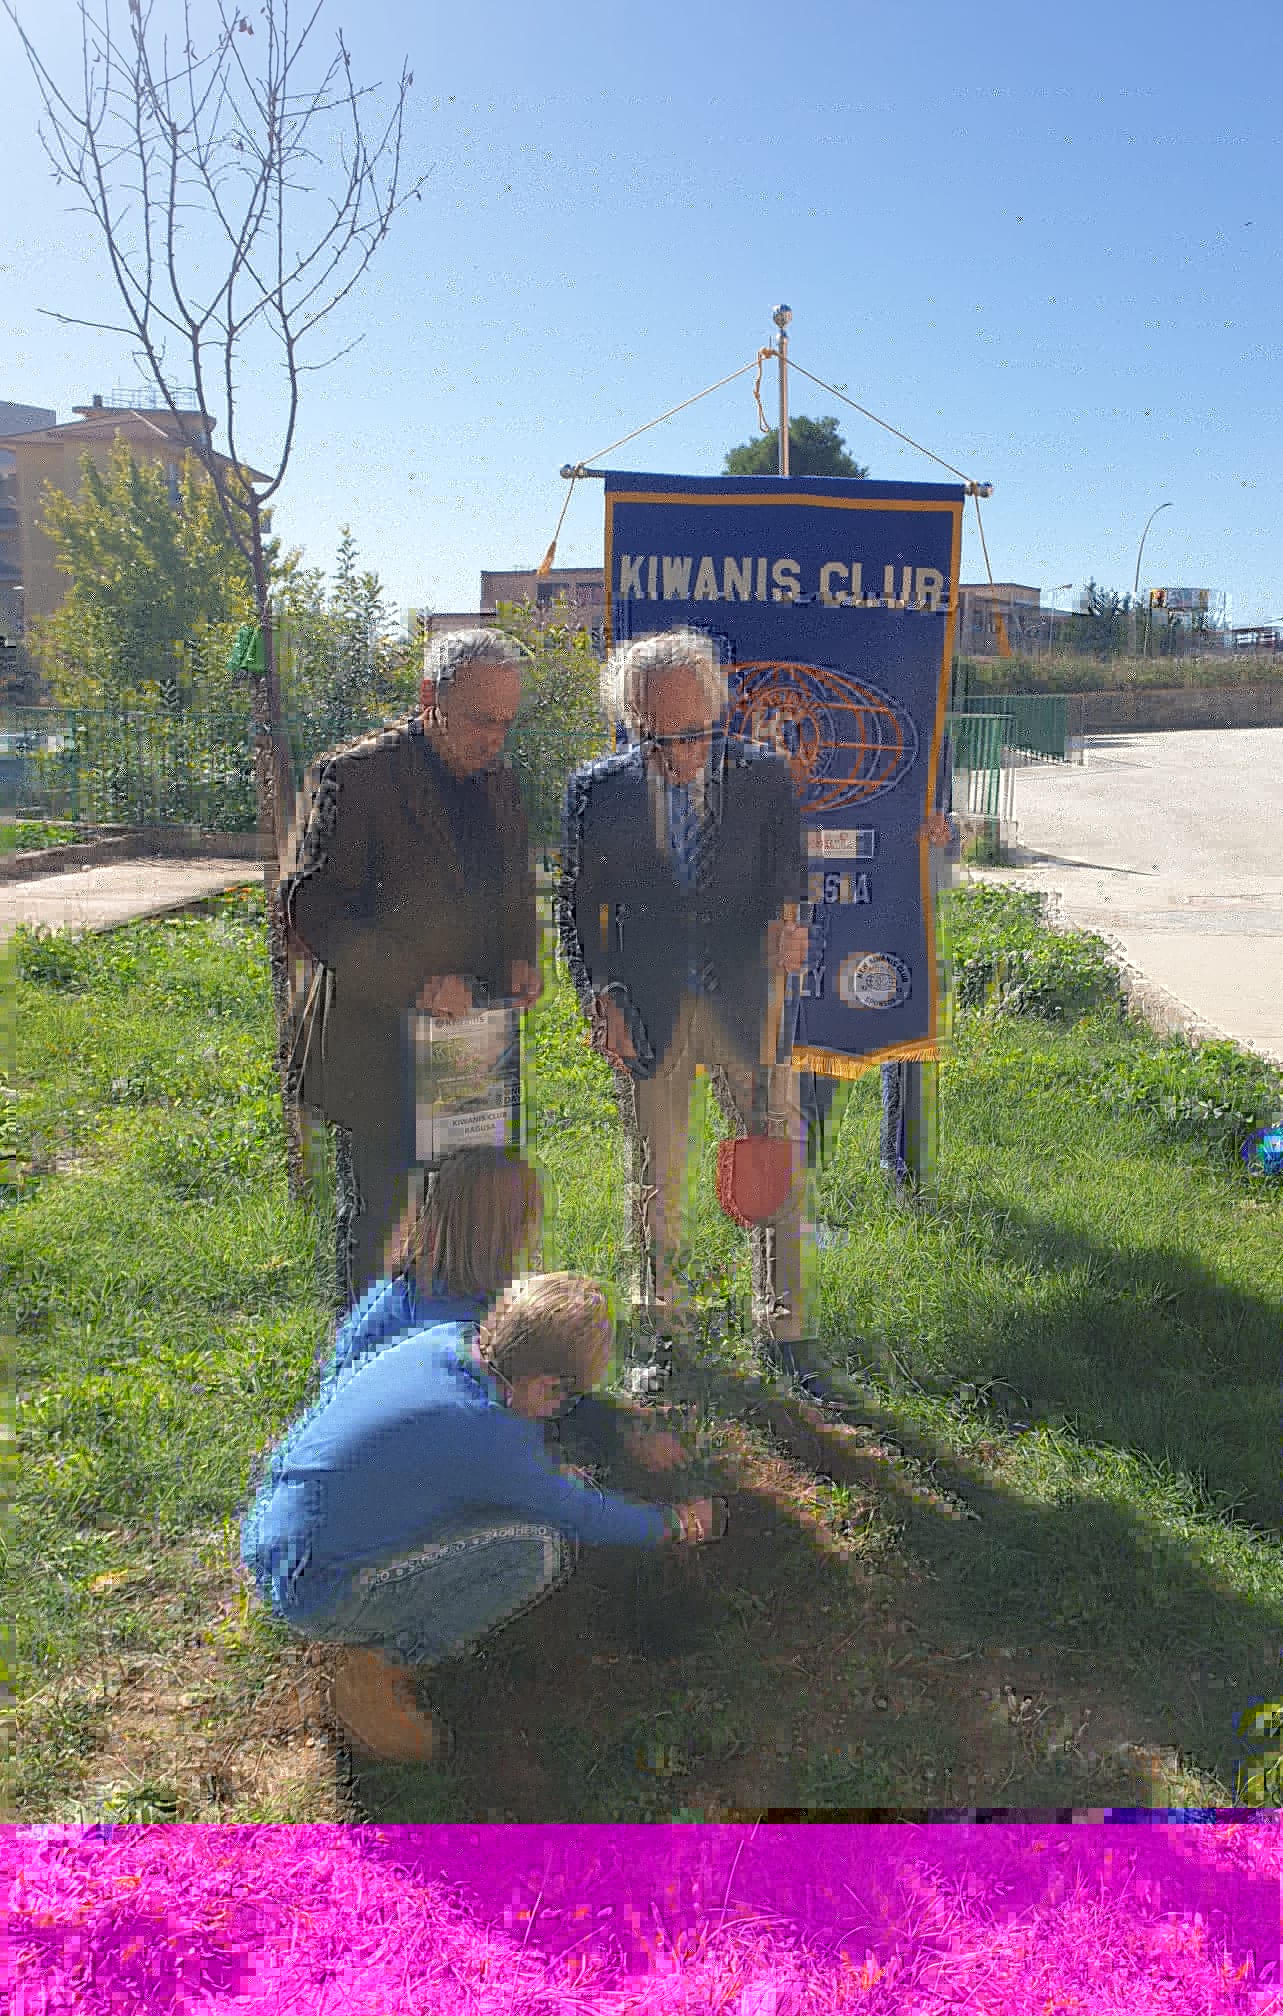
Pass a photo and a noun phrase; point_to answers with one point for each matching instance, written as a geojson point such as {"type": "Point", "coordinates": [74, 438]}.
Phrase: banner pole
{"type": "Point", "coordinates": [781, 317]}
{"type": "Point", "coordinates": [922, 1091]}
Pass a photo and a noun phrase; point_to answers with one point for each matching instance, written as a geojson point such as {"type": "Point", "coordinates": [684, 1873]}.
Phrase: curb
{"type": "Point", "coordinates": [188, 842]}
{"type": "Point", "coordinates": [1150, 1003]}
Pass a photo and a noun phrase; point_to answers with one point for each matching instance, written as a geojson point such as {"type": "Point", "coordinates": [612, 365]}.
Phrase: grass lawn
{"type": "Point", "coordinates": [1042, 1568]}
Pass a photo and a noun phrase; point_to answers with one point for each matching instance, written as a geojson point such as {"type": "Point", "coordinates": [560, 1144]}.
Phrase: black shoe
{"type": "Point", "coordinates": [781, 1358]}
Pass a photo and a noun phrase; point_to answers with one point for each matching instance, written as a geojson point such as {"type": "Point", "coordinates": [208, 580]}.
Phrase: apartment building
{"type": "Point", "coordinates": [49, 453]}
{"type": "Point", "coordinates": [14, 419]}
{"type": "Point", "coordinates": [576, 593]}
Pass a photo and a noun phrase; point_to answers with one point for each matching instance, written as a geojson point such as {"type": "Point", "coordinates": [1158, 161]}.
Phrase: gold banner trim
{"type": "Point", "coordinates": [831, 1063]}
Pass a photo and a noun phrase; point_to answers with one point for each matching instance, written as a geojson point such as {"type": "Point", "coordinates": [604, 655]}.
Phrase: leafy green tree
{"type": "Point", "coordinates": [157, 589]}
{"type": "Point", "coordinates": [1102, 625]}
{"type": "Point", "coordinates": [560, 722]}
{"type": "Point", "coordinates": [344, 666]}
{"type": "Point", "coordinates": [815, 449]}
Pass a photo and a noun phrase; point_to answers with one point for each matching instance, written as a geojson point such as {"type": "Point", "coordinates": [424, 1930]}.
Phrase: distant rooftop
{"type": "Point", "coordinates": [144, 398]}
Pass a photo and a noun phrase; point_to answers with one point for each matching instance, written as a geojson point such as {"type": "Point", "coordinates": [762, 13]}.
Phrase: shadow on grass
{"type": "Point", "coordinates": [813, 1678]}
{"type": "Point", "coordinates": [1158, 1358]}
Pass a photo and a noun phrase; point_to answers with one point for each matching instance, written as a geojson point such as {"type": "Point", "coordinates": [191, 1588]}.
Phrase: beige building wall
{"type": "Point", "coordinates": [15, 418]}
{"type": "Point", "coordinates": [1005, 594]}
{"type": "Point", "coordinates": [576, 594]}
{"type": "Point", "coordinates": [51, 455]}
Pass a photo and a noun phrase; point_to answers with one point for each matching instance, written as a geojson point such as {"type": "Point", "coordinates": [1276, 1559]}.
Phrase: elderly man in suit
{"type": "Point", "coordinates": [415, 891]}
{"type": "Point", "coordinates": [681, 855]}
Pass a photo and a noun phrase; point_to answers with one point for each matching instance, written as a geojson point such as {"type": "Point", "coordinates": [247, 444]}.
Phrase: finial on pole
{"type": "Point", "coordinates": [781, 317]}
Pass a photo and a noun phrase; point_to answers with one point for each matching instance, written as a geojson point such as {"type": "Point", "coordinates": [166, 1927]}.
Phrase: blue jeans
{"type": "Point", "coordinates": [444, 1597]}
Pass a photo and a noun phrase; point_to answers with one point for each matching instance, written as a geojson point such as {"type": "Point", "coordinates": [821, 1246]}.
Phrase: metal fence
{"type": "Point", "coordinates": [97, 767]}
{"type": "Point", "coordinates": [104, 768]}
{"type": "Point", "coordinates": [100, 767]}
{"type": "Point", "coordinates": [982, 782]}
{"type": "Point", "coordinates": [1039, 725]}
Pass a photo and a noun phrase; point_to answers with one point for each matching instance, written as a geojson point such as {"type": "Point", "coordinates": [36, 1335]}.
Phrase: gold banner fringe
{"type": "Point", "coordinates": [831, 1064]}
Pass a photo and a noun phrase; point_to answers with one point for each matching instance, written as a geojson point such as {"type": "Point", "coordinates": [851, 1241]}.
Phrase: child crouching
{"type": "Point", "coordinates": [414, 1508]}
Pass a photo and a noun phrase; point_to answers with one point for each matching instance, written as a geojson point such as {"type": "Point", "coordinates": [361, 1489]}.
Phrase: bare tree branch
{"type": "Point", "coordinates": [231, 153]}
{"type": "Point", "coordinates": [230, 234]}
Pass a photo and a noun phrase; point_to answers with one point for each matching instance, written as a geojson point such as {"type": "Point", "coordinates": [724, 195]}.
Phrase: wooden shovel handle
{"type": "Point", "coordinates": [776, 1000]}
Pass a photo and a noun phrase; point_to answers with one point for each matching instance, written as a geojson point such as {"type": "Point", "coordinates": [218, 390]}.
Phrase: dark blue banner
{"type": "Point", "coordinates": [832, 603]}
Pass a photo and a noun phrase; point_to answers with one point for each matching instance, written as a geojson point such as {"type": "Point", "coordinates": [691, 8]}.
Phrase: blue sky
{"type": "Point", "coordinates": [1046, 245]}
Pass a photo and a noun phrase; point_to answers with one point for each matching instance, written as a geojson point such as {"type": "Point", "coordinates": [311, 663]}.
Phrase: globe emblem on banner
{"type": "Point", "coordinates": [873, 980]}
{"type": "Point", "coordinates": [845, 742]}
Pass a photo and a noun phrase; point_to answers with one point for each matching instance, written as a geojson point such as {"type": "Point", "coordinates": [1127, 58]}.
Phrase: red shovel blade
{"type": "Point", "coordinates": [754, 1175]}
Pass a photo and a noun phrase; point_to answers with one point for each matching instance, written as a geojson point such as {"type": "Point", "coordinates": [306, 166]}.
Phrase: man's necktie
{"type": "Point", "coordinates": [684, 831]}
{"type": "Point", "coordinates": [686, 835]}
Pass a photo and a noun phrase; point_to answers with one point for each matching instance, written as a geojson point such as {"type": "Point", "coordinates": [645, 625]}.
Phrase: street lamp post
{"type": "Point", "coordinates": [1139, 550]}
{"type": "Point", "coordinates": [1143, 537]}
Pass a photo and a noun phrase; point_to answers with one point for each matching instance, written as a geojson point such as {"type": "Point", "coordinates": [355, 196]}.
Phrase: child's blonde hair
{"type": "Point", "coordinates": [551, 1324]}
{"type": "Point", "coordinates": [478, 1209]}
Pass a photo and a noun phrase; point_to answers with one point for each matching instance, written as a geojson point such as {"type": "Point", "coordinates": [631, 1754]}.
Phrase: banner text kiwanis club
{"type": "Point", "coordinates": [835, 584]}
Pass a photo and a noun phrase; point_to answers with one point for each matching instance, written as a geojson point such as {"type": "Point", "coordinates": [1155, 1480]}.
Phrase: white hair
{"type": "Point", "coordinates": [443, 656]}
{"type": "Point", "coordinates": [628, 672]}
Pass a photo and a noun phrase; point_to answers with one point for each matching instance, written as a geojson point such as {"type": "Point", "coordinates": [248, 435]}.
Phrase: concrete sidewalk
{"type": "Point", "coordinates": [117, 892]}
{"type": "Point", "coordinates": [1167, 845]}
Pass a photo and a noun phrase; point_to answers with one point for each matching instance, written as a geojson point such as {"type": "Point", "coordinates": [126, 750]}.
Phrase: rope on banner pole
{"type": "Point", "coordinates": [545, 565]}
{"type": "Point", "coordinates": [762, 355]}
{"type": "Point", "coordinates": [572, 471]}
{"type": "Point", "coordinates": [973, 488]}
{"type": "Point", "coordinates": [581, 468]}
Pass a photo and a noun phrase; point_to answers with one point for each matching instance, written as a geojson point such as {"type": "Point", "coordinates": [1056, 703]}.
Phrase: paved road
{"type": "Point", "coordinates": [1171, 846]}
{"type": "Point", "coordinates": [95, 899]}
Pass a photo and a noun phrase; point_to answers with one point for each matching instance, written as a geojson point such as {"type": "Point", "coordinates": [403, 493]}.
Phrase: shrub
{"type": "Point", "coordinates": [1005, 959]}
{"type": "Point", "coordinates": [984, 849]}
{"type": "Point", "coordinates": [24, 835]}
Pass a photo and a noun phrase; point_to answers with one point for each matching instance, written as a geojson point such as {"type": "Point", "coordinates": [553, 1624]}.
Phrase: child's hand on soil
{"type": "Point", "coordinates": [702, 1519]}
{"type": "Point", "coordinates": [656, 1448]}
